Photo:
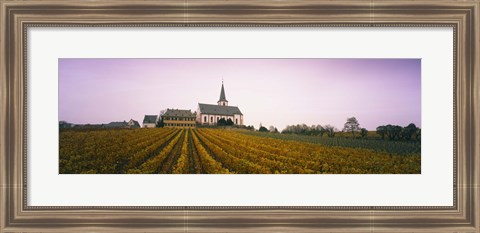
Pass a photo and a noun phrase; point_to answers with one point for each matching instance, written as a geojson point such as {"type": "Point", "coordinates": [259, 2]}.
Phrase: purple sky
{"type": "Point", "coordinates": [275, 92]}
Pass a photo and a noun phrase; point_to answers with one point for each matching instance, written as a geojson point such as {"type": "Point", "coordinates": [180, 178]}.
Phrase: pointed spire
{"type": "Point", "coordinates": [222, 94]}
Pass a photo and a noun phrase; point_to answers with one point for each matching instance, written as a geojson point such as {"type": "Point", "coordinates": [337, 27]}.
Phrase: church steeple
{"type": "Point", "coordinates": [222, 101]}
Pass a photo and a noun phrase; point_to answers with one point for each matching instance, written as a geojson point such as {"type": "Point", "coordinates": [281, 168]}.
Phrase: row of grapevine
{"type": "Point", "coordinates": [391, 147]}
{"type": "Point", "coordinates": [319, 158]}
{"type": "Point", "coordinates": [216, 151]}
{"type": "Point", "coordinates": [153, 164]}
{"type": "Point", "coordinates": [103, 151]}
{"type": "Point", "coordinates": [230, 161]}
{"type": "Point", "coordinates": [195, 163]}
{"type": "Point", "coordinates": [145, 153]}
{"type": "Point", "coordinates": [182, 165]}
{"type": "Point", "coordinates": [168, 164]}
{"type": "Point", "coordinates": [209, 165]}
{"type": "Point", "coordinates": [257, 153]}
{"type": "Point", "coordinates": [271, 162]}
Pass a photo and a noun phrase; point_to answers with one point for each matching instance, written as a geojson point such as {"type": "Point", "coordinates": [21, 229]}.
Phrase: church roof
{"type": "Point", "coordinates": [222, 94]}
{"type": "Point", "coordinates": [219, 109]}
{"type": "Point", "coordinates": [179, 113]}
{"type": "Point", "coordinates": [150, 119]}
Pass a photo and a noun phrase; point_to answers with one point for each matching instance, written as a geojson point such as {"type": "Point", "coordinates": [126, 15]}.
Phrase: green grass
{"type": "Point", "coordinates": [391, 147]}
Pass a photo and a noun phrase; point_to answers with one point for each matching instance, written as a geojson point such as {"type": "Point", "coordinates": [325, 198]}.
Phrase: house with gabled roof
{"type": "Point", "coordinates": [210, 114]}
{"type": "Point", "coordinates": [150, 121]}
{"type": "Point", "coordinates": [133, 124]}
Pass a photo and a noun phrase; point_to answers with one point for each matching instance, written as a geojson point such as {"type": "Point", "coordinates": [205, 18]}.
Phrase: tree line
{"type": "Point", "coordinates": [352, 126]}
{"type": "Point", "coordinates": [395, 132]}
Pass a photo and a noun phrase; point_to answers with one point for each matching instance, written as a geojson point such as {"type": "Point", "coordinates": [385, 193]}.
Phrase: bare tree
{"type": "Point", "coordinates": [351, 125]}
{"type": "Point", "coordinates": [330, 130]}
{"type": "Point", "coordinates": [160, 118]}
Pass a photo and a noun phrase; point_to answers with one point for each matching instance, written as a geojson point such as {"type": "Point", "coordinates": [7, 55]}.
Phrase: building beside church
{"type": "Point", "coordinates": [150, 121]}
{"type": "Point", "coordinates": [210, 114]}
{"type": "Point", "coordinates": [179, 118]}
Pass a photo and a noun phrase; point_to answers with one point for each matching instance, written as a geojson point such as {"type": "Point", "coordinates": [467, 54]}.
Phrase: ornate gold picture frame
{"type": "Point", "coordinates": [17, 16]}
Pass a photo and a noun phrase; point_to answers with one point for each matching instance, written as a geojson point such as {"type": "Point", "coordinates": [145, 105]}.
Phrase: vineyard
{"type": "Point", "coordinates": [217, 151]}
{"type": "Point", "coordinates": [390, 147]}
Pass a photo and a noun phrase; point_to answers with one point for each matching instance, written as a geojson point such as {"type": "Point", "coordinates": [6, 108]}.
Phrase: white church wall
{"type": "Point", "coordinates": [212, 119]}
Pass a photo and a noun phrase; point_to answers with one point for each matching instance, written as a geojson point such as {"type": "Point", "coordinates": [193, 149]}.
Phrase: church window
{"type": "Point", "coordinates": [211, 119]}
{"type": "Point", "coordinates": [205, 119]}
{"type": "Point", "coordinates": [236, 121]}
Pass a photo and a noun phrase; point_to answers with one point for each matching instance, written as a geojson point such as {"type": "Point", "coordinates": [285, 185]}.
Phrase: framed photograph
{"type": "Point", "coordinates": [239, 116]}
{"type": "Point", "coordinates": [217, 138]}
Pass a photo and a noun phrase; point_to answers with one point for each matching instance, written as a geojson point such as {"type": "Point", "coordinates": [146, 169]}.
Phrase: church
{"type": "Point", "coordinates": [210, 114]}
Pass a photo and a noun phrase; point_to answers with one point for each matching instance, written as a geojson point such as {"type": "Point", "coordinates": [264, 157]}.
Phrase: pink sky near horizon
{"type": "Point", "coordinates": [276, 92]}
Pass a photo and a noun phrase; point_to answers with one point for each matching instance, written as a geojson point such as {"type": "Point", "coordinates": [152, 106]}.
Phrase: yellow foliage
{"type": "Point", "coordinates": [216, 151]}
